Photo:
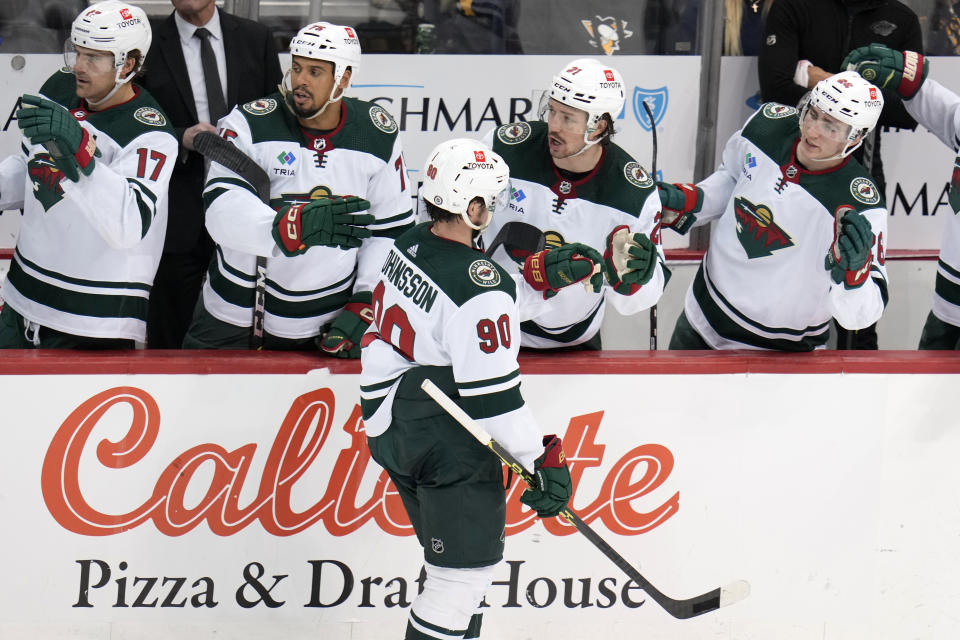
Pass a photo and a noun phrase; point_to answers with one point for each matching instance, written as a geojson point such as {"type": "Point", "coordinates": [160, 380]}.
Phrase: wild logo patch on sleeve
{"type": "Point", "coordinates": [149, 116]}
{"type": "Point", "coordinates": [774, 110]}
{"type": "Point", "coordinates": [260, 107]}
{"type": "Point", "coordinates": [484, 273]}
{"type": "Point", "coordinates": [514, 133]}
{"type": "Point", "coordinates": [863, 190]}
{"type": "Point", "coordinates": [637, 175]}
{"type": "Point", "coordinates": [382, 119]}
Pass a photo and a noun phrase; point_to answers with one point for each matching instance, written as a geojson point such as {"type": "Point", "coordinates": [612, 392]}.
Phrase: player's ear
{"type": "Point", "coordinates": [600, 130]}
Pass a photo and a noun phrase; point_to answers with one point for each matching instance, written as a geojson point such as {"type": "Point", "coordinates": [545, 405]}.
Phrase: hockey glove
{"type": "Point", "coordinates": [552, 269]}
{"type": "Point", "coordinates": [70, 145]}
{"type": "Point", "coordinates": [629, 260]}
{"type": "Point", "coordinates": [680, 203]}
{"type": "Point", "coordinates": [343, 339]}
{"type": "Point", "coordinates": [888, 68]}
{"type": "Point", "coordinates": [328, 222]}
{"type": "Point", "coordinates": [850, 255]}
{"type": "Point", "coordinates": [554, 486]}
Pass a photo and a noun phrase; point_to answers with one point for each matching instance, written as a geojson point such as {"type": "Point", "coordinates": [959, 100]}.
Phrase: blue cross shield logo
{"type": "Point", "coordinates": [656, 99]}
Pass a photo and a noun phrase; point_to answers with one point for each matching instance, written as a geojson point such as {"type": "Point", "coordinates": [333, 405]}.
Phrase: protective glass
{"type": "Point", "coordinates": [562, 118]}
{"type": "Point", "coordinates": [814, 120]}
{"type": "Point", "coordinates": [89, 60]}
{"type": "Point", "coordinates": [498, 202]}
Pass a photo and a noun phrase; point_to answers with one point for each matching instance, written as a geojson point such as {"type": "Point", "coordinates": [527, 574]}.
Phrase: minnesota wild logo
{"type": "Point", "coordinates": [756, 230]}
{"type": "Point", "coordinates": [46, 180]}
{"type": "Point", "coordinates": [300, 198]}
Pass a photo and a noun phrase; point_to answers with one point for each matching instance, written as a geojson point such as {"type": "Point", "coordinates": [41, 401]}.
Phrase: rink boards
{"type": "Point", "coordinates": [156, 496]}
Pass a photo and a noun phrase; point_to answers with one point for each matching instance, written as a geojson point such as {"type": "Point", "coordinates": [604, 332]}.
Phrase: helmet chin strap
{"type": "Point", "coordinates": [288, 98]}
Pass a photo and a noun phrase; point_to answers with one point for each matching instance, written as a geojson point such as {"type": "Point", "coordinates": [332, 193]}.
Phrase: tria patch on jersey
{"type": "Point", "coordinates": [774, 110]}
{"type": "Point", "coordinates": [260, 107]}
{"type": "Point", "coordinates": [756, 230]}
{"type": "Point", "coordinates": [46, 180]}
{"type": "Point", "coordinates": [637, 175]}
{"type": "Point", "coordinates": [514, 133]}
{"type": "Point", "coordinates": [149, 116]}
{"type": "Point", "coordinates": [483, 273]}
{"type": "Point", "coordinates": [863, 190]}
{"type": "Point", "coordinates": [382, 119]}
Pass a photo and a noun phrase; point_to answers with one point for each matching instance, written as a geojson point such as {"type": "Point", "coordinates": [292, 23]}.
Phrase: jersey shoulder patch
{"type": "Point", "coordinates": [865, 191]}
{"type": "Point", "coordinates": [382, 119]}
{"type": "Point", "coordinates": [775, 111]}
{"type": "Point", "coordinates": [260, 106]}
{"type": "Point", "coordinates": [484, 273]}
{"type": "Point", "coordinates": [514, 133]}
{"type": "Point", "coordinates": [637, 175]}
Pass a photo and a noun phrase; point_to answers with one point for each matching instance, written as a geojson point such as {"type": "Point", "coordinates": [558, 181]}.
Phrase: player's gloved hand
{"type": "Point", "coordinates": [850, 255]}
{"type": "Point", "coordinates": [552, 269]}
{"type": "Point", "coordinates": [681, 203]}
{"type": "Point", "coordinates": [629, 260]}
{"type": "Point", "coordinates": [553, 479]}
{"type": "Point", "coordinates": [70, 145]}
{"type": "Point", "coordinates": [888, 68]}
{"type": "Point", "coordinates": [329, 222]}
{"type": "Point", "coordinates": [343, 339]}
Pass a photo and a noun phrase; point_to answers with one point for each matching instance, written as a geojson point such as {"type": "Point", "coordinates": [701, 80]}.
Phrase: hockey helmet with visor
{"type": "Point", "coordinates": [458, 171]}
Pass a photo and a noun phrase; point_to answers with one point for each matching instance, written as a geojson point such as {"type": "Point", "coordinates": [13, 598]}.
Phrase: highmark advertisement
{"type": "Point", "coordinates": [247, 506]}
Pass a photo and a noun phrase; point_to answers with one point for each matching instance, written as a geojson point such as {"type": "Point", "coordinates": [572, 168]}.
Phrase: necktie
{"type": "Point", "coordinates": [211, 77]}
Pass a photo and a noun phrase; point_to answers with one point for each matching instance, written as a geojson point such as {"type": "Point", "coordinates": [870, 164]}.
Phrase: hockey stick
{"type": "Point", "coordinates": [653, 169]}
{"type": "Point", "coordinates": [517, 235]}
{"type": "Point", "coordinates": [682, 609]}
{"type": "Point", "coordinates": [218, 150]}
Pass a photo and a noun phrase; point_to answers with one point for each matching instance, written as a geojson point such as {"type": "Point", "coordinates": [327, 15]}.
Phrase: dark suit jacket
{"type": "Point", "coordinates": [253, 71]}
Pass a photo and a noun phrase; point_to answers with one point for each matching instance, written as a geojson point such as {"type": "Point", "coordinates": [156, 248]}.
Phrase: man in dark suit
{"type": "Point", "coordinates": [242, 65]}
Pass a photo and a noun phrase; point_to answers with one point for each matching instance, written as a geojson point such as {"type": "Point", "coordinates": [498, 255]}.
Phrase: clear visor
{"type": "Point", "coordinates": [89, 60]}
{"type": "Point", "coordinates": [813, 120]}
{"type": "Point", "coordinates": [560, 117]}
{"type": "Point", "coordinates": [498, 202]}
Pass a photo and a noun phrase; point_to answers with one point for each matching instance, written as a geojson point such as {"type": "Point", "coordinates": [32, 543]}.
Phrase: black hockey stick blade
{"type": "Point", "coordinates": [517, 238]}
{"type": "Point", "coordinates": [218, 150]}
{"type": "Point", "coordinates": [678, 608]}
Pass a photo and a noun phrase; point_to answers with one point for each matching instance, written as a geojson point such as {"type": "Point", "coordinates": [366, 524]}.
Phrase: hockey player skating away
{"type": "Point", "coordinates": [321, 261]}
{"type": "Point", "coordinates": [574, 184]}
{"type": "Point", "coordinates": [443, 311]}
{"type": "Point", "coordinates": [91, 177]}
{"type": "Point", "coordinates": [938, 109]}
{"type": "Point", "coordinates": [799, 227]}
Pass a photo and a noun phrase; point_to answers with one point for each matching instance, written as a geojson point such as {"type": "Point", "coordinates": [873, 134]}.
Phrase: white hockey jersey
{"type": "Point", "coordinates": [87, 251]}
{"type": "Point", "coordinates": [938, 109]}
{"type": "Point", "coordinates": [443, 305]}
{"type": "Point", "coordinates": [762, 283]}
{"type": "Point", "coordinates": [361, 157]}
{"type": "Point", "coordinates": [617, 192]}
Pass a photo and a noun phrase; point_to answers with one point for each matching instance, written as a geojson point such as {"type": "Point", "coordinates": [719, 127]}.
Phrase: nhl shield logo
{"type": "Point", "coordinates": [656, 99]}
{"type": "Point", "coordinates": [437, 545]}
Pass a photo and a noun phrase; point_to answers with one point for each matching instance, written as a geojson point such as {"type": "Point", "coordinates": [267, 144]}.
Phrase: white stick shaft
{"type": "Point", "coordinates": [458, 414]}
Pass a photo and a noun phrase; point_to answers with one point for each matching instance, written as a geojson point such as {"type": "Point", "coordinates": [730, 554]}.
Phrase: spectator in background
{"type": "Point", "coordinates": [743, 26]}
{"type": "Point", "coordinates": [464, 26]}
{"type": "Point", "coordinates": [806, 41]}
{"type": "Point", "coordinates": [36, 26]}
{"type": "Point", "coordinates": [244, 64]}
{"type": "Point", "coordinates": [670, 27]}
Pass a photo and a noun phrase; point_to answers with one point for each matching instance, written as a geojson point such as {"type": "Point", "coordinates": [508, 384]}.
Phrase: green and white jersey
{"type": "Point", "coordinates": [442, 304]}
{"type": "Point", "coordinates": [361, 157]}
{"type": "Point", "coordinates": [87, 251]}
{"type": "Point", "coordinates": [938, 109]}
{"type": "Point", "coordinates": [762, 283]}
{"type": "Point", "coordinates": [618, 192]}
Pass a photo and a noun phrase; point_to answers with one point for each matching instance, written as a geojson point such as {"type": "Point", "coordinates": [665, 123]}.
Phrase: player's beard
{"type": "Point", "coordinates": [302, 112]}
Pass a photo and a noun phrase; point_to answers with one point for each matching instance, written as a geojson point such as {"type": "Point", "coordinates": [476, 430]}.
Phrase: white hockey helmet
{"type": "Point", "coordinates": [849, 98]}
{"type": "Point", "coordinates": [114, 26]}
{"type": "Point", "coordinates": [459, 170]}
{"type": "Point", "coordinates": [590, 86]}
{"type": "Point", "coordinates": [331, 42]}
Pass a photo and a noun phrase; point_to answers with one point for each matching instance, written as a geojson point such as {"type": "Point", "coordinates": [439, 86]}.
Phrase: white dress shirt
{"type": "Point", "coordinates": [191, 54]}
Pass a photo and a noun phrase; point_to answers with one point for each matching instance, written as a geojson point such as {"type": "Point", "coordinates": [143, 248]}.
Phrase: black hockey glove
{"type": "Point", "coordinates": [554, 486]}
{"type": "Point", "coordinates": [888, 68]}
{"type": "Point", "coordinates": [850, 255]}
{"type": "Point", "coordinates": [552, 269]}
{"type": "Point", "coordinates": [69, 144]}
{"type": "Point", "coordinates": [329, 222]}
{"type": "Point", "coordinates": [343, 339]}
